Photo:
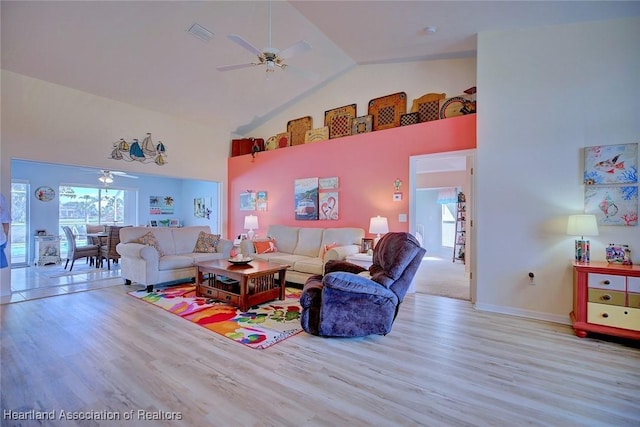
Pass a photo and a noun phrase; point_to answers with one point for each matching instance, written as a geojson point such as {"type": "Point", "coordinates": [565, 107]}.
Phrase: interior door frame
{"type": "Point", "coordinates": [470, 156]}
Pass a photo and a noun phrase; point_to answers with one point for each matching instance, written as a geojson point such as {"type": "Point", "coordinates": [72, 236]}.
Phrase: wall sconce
{"type": "Point", "coordinates": [378, 225]}
{"type": "Point", "coordinates": [582, 225]}
{"type": "Point", "coordinates": [251, 223]}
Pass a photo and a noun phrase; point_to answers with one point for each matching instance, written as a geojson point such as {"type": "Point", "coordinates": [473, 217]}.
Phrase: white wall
{"type": "Point", "coordinates": [543, 95]}
{"type": "Point", "coordinates": [51, 123]}
{"type": "Point", "coordinates": [367, 82]}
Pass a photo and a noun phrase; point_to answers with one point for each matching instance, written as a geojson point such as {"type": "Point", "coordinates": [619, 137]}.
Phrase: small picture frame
{"type": "Point", "coordinates": [153, 223]}
{"type": "Point", "coordinates": [174, 222]}
{"type": "Point", "coordinates": [618, 254]}
{"type": "Point", "coordinates": [366, 245]}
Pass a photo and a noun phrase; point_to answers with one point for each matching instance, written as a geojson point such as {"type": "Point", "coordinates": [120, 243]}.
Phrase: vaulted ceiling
{"type": "Point", "coordinates": [141, 53]}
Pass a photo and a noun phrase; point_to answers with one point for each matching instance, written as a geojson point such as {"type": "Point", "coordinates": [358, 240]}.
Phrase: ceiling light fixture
{"type": "Point", "coordinates": [107, 178]}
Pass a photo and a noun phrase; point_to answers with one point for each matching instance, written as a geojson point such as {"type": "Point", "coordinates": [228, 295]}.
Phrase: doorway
{"type": "Point", "coordinates": [432, 177]}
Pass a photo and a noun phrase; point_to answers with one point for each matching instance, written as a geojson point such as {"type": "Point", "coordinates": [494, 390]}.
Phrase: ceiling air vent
{"type": "Point", "coordinates": [200, 32]}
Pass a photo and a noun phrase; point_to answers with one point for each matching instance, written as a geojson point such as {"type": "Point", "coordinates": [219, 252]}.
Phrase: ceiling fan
{"type": "Point", "coordinates": [106, 176]}
{"type": "Point", "coordinates": [270, 57]}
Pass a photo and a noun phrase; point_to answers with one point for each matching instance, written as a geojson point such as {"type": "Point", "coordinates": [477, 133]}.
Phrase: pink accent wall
{"type": "Point", "coordinates": [366, 166]}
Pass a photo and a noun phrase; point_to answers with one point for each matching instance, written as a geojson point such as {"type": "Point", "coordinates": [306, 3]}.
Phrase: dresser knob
{"type": "Point", "coordinates": [606, 282]}
{"type": "Point", "coordinates": [605, 315]}
{"type": "Point", "coordinates": [606, 297]}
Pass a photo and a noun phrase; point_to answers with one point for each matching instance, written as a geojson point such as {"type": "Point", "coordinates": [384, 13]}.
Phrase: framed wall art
{"type": "Point", "coordinates": [611, 164]}
{"type": "Point", "coordinates": [261, 201]}
{"type": "Point", "coordinates": [248, 201]}
{"type": "Point", "coordinates": [306, 198]}
{"type": "Point", "coordinates": [612, 205]}
{"type": "Point", "coordinates": [328, 183]}
{"type": "Point", "coordinates": [328, 205]}
{"type": "Point", "coordinates": [159, 205]}
{"type": "Point", "coordinates": [45, 194]}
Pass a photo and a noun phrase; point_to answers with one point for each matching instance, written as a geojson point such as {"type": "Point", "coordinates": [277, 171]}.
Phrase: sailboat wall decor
{"type": "Point", "coordinates": [144, 152]}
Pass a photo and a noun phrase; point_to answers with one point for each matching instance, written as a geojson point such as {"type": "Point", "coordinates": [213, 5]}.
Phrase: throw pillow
{"type": "Point", "coordinates": [207, 243]}
{"type": "Point", "coordinates": [265, 246]}
{"type": "Point", "coordinates": [327, 248]}
{"type": "Point", "coordinates": [150, 240]}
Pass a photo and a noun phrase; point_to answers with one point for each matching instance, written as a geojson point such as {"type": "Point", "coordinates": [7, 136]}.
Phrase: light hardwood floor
{"type": "Point", "coordinates": [444, 364]}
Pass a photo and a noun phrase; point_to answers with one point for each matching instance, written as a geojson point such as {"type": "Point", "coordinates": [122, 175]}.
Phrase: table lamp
{"type": "Point", "coordinates": [251, 223]}
{"type": "Point", "coordinates": [582, 225]}
{"type": "Point", "coordinates": [378, 225]}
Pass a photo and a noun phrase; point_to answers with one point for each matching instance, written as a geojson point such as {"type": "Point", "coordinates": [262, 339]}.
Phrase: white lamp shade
{"type": "Point", "coordinates": [582, 225]}
{"type": "Point", "coordinates": [251, 222]}
{"type": "Point", "coordinates": [378, 225]}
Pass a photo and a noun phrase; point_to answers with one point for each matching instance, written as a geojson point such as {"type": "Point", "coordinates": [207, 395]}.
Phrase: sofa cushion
{"type": "Point", "coordinates": [283, 258]}
{"type": "Point", "coordinates": [286, 237]}
{"type": "Point", "coordinates": [309, 240]}
{"type": "Point", "coordinates": [150, 239]}
{"type": "Point", "coordinates": [184, 238]}
{"type": "Point", "coordinates": [206, 243]}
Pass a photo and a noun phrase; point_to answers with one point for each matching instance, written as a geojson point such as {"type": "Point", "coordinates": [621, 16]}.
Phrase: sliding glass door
{"type": "Point", "coordinates": [82, 206]}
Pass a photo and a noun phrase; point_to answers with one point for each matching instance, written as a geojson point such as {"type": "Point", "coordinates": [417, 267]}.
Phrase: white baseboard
{"type": "Point", "coordinates": [529, 314]}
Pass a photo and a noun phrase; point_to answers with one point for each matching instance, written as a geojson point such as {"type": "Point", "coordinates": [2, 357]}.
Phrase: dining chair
{"type": "Point", "coordinates": [108, 249]}
{"type": "Point", "coordinates": [74, 252]}
{"type": "Point", "coordinates": [94, 229]}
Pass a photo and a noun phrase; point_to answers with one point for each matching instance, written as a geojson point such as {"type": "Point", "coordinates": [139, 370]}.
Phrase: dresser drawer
{"type": "Point", "coordinates": [606, 281]}
{"type": "Point", "coordinates": [633, 284]}
{"type": "Point", "coordinates": [611, 315]}
{"type": "Point", "coordinates": [605, 296]}
{"type": "Point", "coordinates": [634, 300]}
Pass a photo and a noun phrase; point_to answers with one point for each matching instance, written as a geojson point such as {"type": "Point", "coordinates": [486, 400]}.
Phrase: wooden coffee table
{"type": "Point", "coordinates": [256, 282]}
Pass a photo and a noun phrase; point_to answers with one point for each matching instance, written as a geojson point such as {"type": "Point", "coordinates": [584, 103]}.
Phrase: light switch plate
{"type": "Point", "coordinates": [402, 217]}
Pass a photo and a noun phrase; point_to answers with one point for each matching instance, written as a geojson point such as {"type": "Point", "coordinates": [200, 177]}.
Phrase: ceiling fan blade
{"type": "Point", "coordinates": [309, 75]}
{"type": "Point", "coordinates": [124, 174]}
{"type": "Point", "coordinates": [295, 49]}
{"type": "Point", "coordinates": [245, 44]}
{"type": "Point", "coordinates": [236, 67]}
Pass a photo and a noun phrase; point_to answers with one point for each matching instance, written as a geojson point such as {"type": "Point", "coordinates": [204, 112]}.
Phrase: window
{"type": "Point", "coordinates": [19, 215]}
{"type": "Point", "coordinates": [82, 206]}
{"type": "Point", "coordinates": [448, 224]}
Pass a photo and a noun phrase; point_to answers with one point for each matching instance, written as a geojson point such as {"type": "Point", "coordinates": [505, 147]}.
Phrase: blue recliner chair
{"type": "Point", "coordinates": [346, 303]}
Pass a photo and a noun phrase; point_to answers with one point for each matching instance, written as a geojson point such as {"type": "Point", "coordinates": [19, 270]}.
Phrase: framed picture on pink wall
{"type": "Point", "coordinates": [248, 201]}
{"type": "Point", "coordinates": [306, 198]}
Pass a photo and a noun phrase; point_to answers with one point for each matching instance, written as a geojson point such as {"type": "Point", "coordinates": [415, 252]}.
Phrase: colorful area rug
{"type": "Point", "coordinates": [260, 327]}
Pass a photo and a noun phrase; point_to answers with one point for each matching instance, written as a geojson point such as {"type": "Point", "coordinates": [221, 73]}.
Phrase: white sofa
{"type": "Point", "coordinates": [303, 248]}
{"type": "Point", "coordinates": [143, 264]}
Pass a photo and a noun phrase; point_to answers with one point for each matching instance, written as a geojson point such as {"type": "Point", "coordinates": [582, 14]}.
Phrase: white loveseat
{"type": "Point", "coordinates": [304, 249]}
{"type": "Point", "coordinates": [143, 264]}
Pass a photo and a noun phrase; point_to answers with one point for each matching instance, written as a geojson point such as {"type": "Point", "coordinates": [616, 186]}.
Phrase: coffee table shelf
{"type": "Point", "coordinates": [257, 282]}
